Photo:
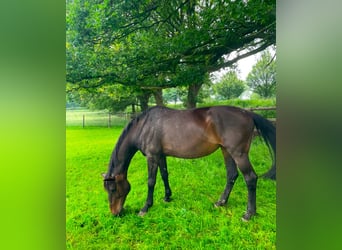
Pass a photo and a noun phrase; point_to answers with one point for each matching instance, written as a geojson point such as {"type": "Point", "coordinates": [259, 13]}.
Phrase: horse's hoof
{"type": "Point", "coordinates": [167, 199]}
{"type": "Point", "coordinates": [141, 213]}
{"type": "Point", "coordinates": [247, 216]}
{"type": "Point", "coordinates": [220, 204]}
{"type": "Point", "coordinates": [244, 219]}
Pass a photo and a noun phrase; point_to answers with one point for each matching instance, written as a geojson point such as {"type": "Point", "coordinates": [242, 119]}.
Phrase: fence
{"type": "Point", "coordinates": [85, 118]}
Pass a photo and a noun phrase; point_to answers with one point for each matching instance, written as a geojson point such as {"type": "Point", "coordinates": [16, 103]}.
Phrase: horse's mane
{"type": "Point", "coordinates": [126, 130]}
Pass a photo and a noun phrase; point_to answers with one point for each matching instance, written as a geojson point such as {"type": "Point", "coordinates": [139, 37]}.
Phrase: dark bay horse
{"type": "Point", "coordinates": [160, 132]}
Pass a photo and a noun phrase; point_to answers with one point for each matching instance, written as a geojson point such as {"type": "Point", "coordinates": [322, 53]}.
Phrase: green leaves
{"type": "Point", "coordinates": [229, 87]}
{"type": "Point", "coordinates": [262, 78]}
{"type": "Point", "coordinates": [161, 43]}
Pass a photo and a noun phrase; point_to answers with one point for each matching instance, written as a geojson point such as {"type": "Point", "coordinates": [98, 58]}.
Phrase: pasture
{"type": "Point", "coordinates": [189, 221]}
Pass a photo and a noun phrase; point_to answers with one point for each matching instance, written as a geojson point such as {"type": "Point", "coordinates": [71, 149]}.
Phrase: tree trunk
{"type": "Point", "coordinates": [143, 98]}
{"type": "Point", "coordinates": [158, 95]}
{"type": "Point", "coordinates": [133, 108]}
{"type": "Point", "coordinates": [193, 91]}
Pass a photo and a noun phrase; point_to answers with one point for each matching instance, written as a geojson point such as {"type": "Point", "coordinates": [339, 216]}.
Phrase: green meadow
{"type": "Point", "coordinates": [189, 221]}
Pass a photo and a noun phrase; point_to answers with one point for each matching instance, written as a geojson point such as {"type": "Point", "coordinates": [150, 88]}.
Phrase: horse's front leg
{"type": "Point", "coordinates": [165, 177]}
{"type": "Point", "coordinates": [152, 173]}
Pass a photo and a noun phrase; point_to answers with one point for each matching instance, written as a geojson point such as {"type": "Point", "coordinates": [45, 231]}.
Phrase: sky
{"type": "Point", "coordinates": [244, 66]}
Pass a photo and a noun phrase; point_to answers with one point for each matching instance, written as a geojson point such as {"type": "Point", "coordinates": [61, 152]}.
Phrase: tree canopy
{"type": "Point", "coordinates": [153, 45]}
{"type": "Point", "coordinates": [229, 87]}
{"type": "Point", "coordinates": [262, 78]}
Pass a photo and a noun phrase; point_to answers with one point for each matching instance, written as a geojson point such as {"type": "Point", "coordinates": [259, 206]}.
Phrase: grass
{"type": "Point", "coordinates": [189, 221]}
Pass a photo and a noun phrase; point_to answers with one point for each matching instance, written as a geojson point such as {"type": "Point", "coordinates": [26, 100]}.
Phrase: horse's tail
{"type": "Point", "coordinates": [268, 132]}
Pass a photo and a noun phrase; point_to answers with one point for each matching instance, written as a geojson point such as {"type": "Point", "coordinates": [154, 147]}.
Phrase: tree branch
{"type": "Point", "coordinates": [239, 57]}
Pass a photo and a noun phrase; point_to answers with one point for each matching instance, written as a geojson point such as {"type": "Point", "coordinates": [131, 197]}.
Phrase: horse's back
{"type": "Point", "coordinates": [231, 116]}
{"type": "Point", "coordinates": [192, 121]}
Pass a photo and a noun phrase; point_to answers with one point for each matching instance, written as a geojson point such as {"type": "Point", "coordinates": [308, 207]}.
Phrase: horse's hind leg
{"type": "Point", "coordinates": [165, 176]}
{"type": "Point", "coordinates": [232, 174]}
{"type": "Point", "coordinates": [251, 178]}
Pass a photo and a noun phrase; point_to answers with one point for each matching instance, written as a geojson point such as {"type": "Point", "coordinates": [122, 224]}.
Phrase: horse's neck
{"type": "Point", "coordinates": [121, 158]}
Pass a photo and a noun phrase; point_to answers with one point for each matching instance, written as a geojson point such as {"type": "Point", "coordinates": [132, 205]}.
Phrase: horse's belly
{"type": "Point", "coordinates": [190, 150]}
{"type": "Point", "coordinates": [189, 140]}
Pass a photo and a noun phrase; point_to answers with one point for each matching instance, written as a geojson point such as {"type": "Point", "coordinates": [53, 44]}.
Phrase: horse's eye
{"type": "Point", "coordinates": [110, 186]}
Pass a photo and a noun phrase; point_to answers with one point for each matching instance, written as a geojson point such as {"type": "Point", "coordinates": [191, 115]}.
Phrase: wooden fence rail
{"type": "Point", "coordinates": [262, 108]}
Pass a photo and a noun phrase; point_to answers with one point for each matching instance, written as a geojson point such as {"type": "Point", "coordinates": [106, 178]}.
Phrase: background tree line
{"type": "Point", "coordinates": [122, 53]}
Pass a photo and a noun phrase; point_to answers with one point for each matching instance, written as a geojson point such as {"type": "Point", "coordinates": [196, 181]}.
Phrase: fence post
{"type": "Point", "coordinates": [83, 121]}
{"type": "Point", "coordinates": [109, 120]}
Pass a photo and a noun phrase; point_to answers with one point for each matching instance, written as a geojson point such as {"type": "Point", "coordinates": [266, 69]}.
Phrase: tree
{"type": "Point", "coordinates": [172, 95]}
{"type": "Point", "coordinates": [111, 97]}
{"type": "Point", "coordinates": [161, 44]}
{"type": "Point", "coordinates": [262, 78]}
{"type": "Point", "coordinates": [229, 87]}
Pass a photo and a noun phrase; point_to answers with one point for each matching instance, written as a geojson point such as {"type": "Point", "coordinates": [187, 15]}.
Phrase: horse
{"type": "Point", "coordinates": [160, 132]}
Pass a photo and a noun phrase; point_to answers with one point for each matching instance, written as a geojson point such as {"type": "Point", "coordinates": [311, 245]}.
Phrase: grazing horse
{"type": "Point", "coordinates": [160, 132]}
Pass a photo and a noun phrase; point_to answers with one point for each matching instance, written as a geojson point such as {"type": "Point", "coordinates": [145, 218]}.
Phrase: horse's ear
{"type": "Point", "coordinates": [106, 178]}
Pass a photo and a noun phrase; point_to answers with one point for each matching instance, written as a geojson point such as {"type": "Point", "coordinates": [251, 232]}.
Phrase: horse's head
{"type": "Point", "coordinates": [117, 188]}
